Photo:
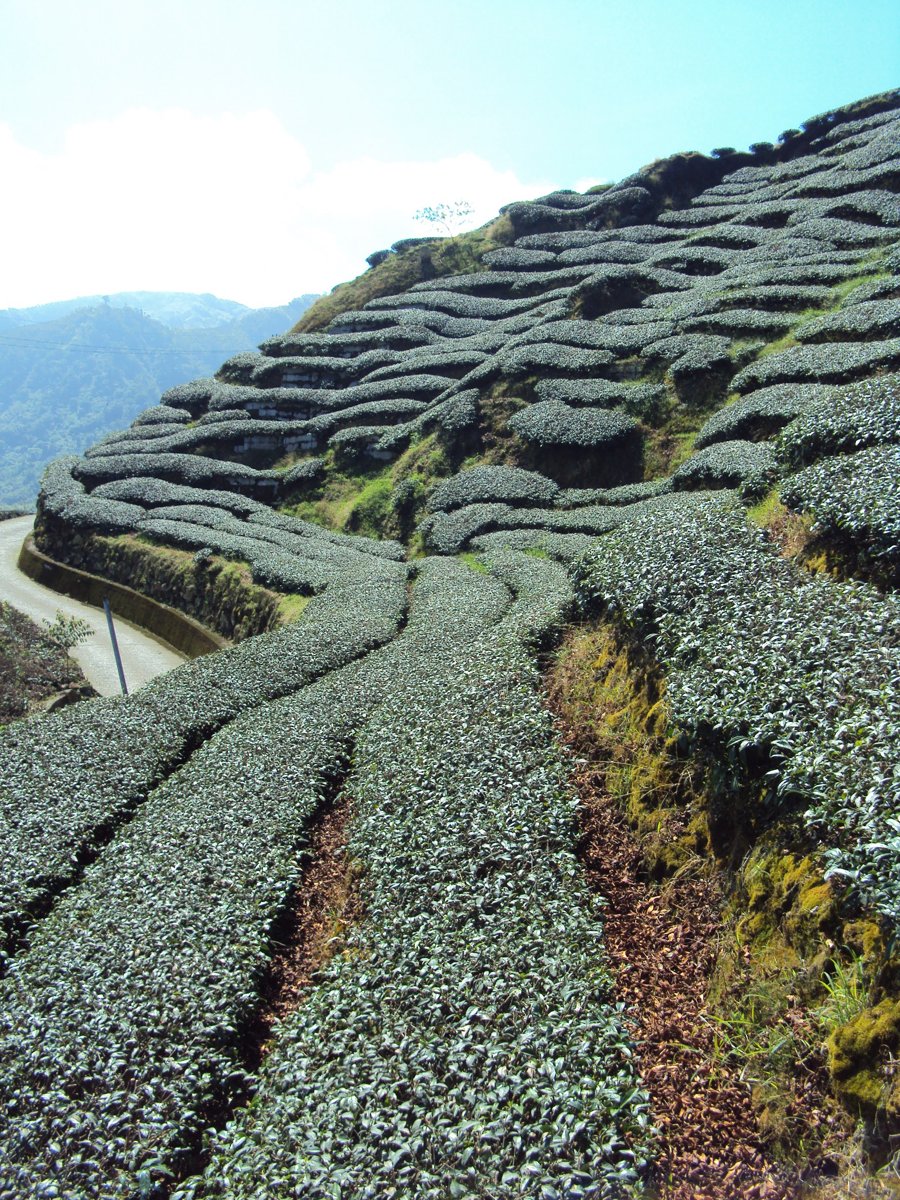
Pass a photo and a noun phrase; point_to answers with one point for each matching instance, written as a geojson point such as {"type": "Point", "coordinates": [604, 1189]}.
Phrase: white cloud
{"type": "Point", "coordinates": [231, 204]}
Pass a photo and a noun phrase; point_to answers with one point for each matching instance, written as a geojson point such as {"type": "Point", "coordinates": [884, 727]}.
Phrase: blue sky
{"type": "Point", "coordinates": [262, 150]}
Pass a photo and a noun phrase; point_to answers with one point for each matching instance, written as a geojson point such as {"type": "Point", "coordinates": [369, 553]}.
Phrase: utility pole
{"type": "Point", "coordinates": [115, 645]}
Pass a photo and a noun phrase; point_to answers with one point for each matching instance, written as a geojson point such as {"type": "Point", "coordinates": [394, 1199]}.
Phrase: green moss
{"type": "Point", "coordinates": [473, 561]}
{"type": "Point", "coordinates": [613, 696]}
{"type": "Point", "coordinates": [785, 897]}
{"type": "Point", "coordinates": [291, 608]}
{"type": "Point", "coordinates": [785, 342]}
{"type": "Point", "coordinates": [371, 510]}
{"type": "Point", "coordinates": [665, 451]}
{"type": "Point", "coordinates": [767, 511]}
{"type": "Point", "coordinates": [861, 1054]}
{"type": "Point", "coordinates": [842, 290]}
{"type": "Point", "coordinates": [793, 993]}
{"type": "Point", "coordinates": [866, 939]}
{"type": "Point", "coordinates": [791, 532]}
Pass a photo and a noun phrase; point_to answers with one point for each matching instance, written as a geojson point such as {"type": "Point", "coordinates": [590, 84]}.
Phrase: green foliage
{"type": "Point", "coordinates": [67, 631]}
{"type": "Point", "coordinates": [844, 419]}
{"type": "Point", "coordinates": [383, 501]}
{"type": "Point", "coordinates": [847, 993]}
{"type": "Point", "coordinates": [473, 561]}
{"type": "Point", "coordinates": [372, 508]}
{"type": "Point", "coordinates": [463, 866]}
{"type": "Point", "coordinates": [854, 500]}
{"type": "Point", "coordinates": [143, 1020]}
{"type": "Point", "coordinates": [32, 666]}
{"type": "Point", "coordinates": [447, 218]}
{"type": "Point", "coordinates": [109, 755]}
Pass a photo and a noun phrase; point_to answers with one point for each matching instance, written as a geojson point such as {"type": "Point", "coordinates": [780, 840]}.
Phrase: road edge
{"type": "Point", "coordinates": [175, 629]}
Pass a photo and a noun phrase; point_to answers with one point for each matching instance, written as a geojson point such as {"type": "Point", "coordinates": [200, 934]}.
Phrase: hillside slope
{"type": "Point", "coordinates": [576, 426]}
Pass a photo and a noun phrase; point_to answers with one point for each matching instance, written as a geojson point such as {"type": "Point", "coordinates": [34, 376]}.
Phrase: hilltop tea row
{"type": "Point", "coordinates": [567, 412]}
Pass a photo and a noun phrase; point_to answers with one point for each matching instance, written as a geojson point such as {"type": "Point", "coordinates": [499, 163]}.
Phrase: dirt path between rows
{"type": "Point", "coordinates": [310, 932]}
{"type": "Point", "coordinates": [662, 947]}
{"type": "Point", "coordinates": [663, 942]}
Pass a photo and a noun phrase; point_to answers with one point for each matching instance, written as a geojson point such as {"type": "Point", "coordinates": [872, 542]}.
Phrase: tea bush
{"type": "Point", "coordinates": [866, 414]}
{"type": "Point", "coordinates": [762, 413]}
{"type": "Point", "coordinates": [726, 464]}
{"type": "Point", "coordinates": [163, 414]}
{"type": "Point", "coordinates": [641, 400]}
{"type": "Point", "coordinates": [71, 778]}
{"type": "Point", "coordinates": [119, 1035]}
{"type": "Point", "coordinates": [550, 422]}
{"type": "Point", "coordinates": [789, 680]}
{"type": "Point", "coordinates": [412, 1067]}
{"type": "Point", "coordinates": [627, 493]}
{"type": "Point", "coordinates": [863, 321]}
{"type": "Point", "coordinates": [488, 484]}
{"type": "Point", "coordinates": [552, 357]}
{"type": "Point", "coordinates": [855, 500]}
{"type": "Point", "coordinates": [826, 362]}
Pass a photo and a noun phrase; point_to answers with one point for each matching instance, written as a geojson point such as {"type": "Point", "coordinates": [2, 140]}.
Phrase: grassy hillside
{"type": "Point", "coordinates": [405, 263]}
{"type": "Point", "coordinates": [621, 926]}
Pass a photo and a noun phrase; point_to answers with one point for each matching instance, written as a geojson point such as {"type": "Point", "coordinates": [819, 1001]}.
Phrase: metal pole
{"type": "Point", "coordinates": [115, 645]}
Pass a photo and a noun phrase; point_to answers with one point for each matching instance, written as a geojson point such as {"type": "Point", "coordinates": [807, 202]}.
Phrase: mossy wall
{"type": "Point", "coordinates": [215, 593]}
{"type": "Point", "coordinates": [175, 628]}
{"type": "Point", "coordinates": [613, 697]}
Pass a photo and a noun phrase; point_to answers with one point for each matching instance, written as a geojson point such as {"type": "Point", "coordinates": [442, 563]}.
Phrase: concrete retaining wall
{"type": "Point", "coordinates": [178, 630]}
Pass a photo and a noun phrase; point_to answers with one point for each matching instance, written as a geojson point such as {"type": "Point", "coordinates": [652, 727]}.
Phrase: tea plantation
{"type": "Point", "coordinates": [670, 406]}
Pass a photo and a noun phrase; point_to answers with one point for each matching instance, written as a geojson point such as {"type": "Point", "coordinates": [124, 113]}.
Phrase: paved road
{"type": "Point", "coordinates": [143, 656]}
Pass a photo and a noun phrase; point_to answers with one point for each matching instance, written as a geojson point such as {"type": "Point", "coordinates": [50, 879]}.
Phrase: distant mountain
{"type": "Point", "coordinates": [178, 310]}
{"type": "Point", "coordinates": [74, 370]}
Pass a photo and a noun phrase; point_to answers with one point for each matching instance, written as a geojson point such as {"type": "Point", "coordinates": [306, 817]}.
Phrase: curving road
{"type": "Point", "coordinates": [144, 657]}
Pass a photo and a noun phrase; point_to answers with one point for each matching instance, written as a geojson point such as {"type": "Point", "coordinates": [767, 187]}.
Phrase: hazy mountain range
{"type": "Point", "coordinates": [74, 370]}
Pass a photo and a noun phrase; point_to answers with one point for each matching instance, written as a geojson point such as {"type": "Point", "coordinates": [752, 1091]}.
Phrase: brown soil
{"type": "Point", "coordinates": [663, 943]}
{"type": "Point", "coordinates": [662, 946]}
{"type": "Point", "coordinates": [325, 902]}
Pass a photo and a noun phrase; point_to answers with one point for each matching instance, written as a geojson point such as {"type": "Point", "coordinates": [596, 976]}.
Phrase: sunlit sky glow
{"type": "Point", "coordinates": [262, 151]}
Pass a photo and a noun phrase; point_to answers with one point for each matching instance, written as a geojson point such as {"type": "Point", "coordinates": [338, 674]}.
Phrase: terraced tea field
{"type": "Point", "coordinates": [667, 411]}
